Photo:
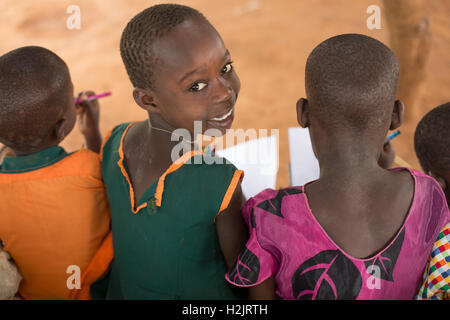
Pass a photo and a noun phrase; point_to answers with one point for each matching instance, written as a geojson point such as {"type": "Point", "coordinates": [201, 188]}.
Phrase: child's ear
{"type": "Point", "coordinates": [439, 179]}
{"type": "Point", "coordinates": [397, 115]}
{"type": "Point", "coordinates": [146, 99]}
{"type": "Point", "coordinates": [303, 112]}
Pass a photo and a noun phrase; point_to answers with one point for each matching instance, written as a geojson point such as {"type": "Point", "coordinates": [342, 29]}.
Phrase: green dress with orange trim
{"type": "Point", "coordinates": [165, 244]}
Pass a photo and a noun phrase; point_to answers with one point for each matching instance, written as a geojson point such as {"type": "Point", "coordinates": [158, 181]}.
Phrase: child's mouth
{"type": "Point", "coordinates": [225, 116]}
{"type": "Point", "coordinates": [224, 121]}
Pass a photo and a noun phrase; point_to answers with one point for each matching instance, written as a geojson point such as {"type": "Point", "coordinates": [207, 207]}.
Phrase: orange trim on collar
{"type": "Point", "coordinates": [175, 166]}
{"type": "Point", "coordinates": [108, 135]}
{"type": "Point", "coordinates": [160, 186]}
{"type": "Point", "coordinates": [125, 174]}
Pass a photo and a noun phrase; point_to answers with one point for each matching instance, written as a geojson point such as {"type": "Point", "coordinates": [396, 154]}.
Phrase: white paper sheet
{"type": "Point", "coordinates": [259, 160]}
{"type": "Point", "coordinates": [304, 166]}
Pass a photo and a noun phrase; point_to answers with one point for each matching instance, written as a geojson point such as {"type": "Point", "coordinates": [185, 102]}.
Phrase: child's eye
{"type": "Point", "coordinates": [228, 67]}
{"type": "Point", "coordinates": [198, 86]}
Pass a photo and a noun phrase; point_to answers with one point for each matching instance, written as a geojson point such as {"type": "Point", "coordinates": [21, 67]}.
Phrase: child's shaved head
{"type": "Point", "coordinates": [432, 139]}
{"type": "Point", "coordinates": [351, 81]}
{"type": "Point", "coordinates": [142, 32]}
{"type": "Point", "coordinates": [35, 90]}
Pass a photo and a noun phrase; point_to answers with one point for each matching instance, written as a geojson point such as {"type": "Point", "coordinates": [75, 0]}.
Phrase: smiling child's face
{"type": "Point", "coordinates": [195, 79]}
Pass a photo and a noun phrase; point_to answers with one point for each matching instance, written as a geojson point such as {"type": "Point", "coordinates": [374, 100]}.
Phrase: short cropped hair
{"type": "Point", "coordinates": [432, 139]}
{"type": "Point", "coordinates": [350, 82]}
{"type": "Point", "coordinates": [140, 35]}
{"type": "Point", "coordinates": [34, 93]}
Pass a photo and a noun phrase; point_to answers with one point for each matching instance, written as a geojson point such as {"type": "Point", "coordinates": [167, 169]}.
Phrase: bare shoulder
{"type": "Point", "coordinates": [401, 191]}
{"type": "Point", "coordinates": [406, 180]}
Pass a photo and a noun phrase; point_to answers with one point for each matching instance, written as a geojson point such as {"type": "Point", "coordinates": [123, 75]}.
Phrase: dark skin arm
{"type": "Point", "coordinates": [232, 231]}
{"type": "Point", "coordinates": [233, 234]}
{"type": "Point", "coordinates": [263, 291]}
{"type": "Point", "coordinates": [88, 114]}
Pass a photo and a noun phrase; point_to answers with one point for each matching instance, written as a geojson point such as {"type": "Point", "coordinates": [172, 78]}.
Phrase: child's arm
{"type": "Point", "coordinates": [88, 121]}
{"type": "Point", "coordinates": [244, 272]}
{"type": "Point", "coordinates": [231, 229]}
{"type": "Point", "coordinates": [263, 291]}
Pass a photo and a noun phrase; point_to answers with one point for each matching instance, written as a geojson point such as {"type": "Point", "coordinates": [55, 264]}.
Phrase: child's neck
{"type": "Point", "coordinates": [348, 160]}
{"type": "Point", "coordinates": [151, 147]}
{"type": "Point", "coordinates": [159, 141]}
{"type": "Point", "coordinates": [148, 154]}
{"type": "Point", "coordinates": [354, 194]}
{"type": "Point", "coordinates": [20, 153]}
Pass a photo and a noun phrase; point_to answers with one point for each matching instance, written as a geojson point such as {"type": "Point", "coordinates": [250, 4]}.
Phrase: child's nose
{"type": "Point", "coordinates": [223, 90]}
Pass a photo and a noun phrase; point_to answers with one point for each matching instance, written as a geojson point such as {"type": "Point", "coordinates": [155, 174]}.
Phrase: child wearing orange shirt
{"type": "Point", "coordinates": [54, 214]}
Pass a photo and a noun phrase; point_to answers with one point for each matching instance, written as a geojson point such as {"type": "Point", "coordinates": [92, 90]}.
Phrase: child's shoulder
{"type": "Point", "coordinates": [422, 181]}
{"type": "Point", "coordinates": [274, 201]}
{"type": "Point", "coordinates": [113, 138]}
{"type": "Point", "coordinates": [86, 162]}
{"type": "Point", "coordinates": [273, 195]}
{"type": "Point", "coordinates": [419, 175]}
{"type": "Point", "coordinates": [83, 165]}
{"type": "Point", "coordinates": [429, 194]}
{"type": "Point", "coordinates": [206, 164]}
{"type": "Point", "coordinates": [215, 173]}
{"type": "Point", "coordinates": [426, 183]}
{"type": "Point", "coordinates": [116, 133]}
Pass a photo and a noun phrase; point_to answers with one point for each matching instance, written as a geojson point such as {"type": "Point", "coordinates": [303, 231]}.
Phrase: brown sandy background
{"type": "Point", "coordinates": [269, 41]}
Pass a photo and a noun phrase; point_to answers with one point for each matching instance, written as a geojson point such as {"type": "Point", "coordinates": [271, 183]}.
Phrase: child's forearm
{"type": "Point", "coordinates": [94, 141]}
{"type": "Point", "coordinates": [263, 291]}
{"type": "Point", "coordinates": [232, 232]}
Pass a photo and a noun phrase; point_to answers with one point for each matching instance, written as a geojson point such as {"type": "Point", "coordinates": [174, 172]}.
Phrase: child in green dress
{"type": "Point", "coordinates": [176, 222]}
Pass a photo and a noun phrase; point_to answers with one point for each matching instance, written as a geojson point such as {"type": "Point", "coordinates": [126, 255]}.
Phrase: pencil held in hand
{"type": "Point", "coordinates": [93, 97]}
{"type": "Point", "coordinates": [391, 136]}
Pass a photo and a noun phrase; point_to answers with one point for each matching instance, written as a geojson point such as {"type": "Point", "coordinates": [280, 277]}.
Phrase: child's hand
{"type": "Point", "coordinates": [88, 114]}
{"type": "Point", "coordinates": [387, 156]}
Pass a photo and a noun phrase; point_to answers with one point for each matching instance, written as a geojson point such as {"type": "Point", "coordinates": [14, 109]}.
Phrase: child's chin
{"type": "Point", "coordinates": [216, 132]}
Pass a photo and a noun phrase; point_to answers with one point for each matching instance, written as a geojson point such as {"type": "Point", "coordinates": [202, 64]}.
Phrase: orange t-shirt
{"type": "Point", "coordinates": [52, 218]}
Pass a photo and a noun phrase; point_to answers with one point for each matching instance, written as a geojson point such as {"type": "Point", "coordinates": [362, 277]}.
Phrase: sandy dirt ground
{"type": "Point", "coordinates": [269, 41]}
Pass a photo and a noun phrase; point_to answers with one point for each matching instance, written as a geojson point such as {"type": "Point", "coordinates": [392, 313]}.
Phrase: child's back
{"type": "Point", "coordinates": [309, 263]}
{"type": "Point", "coordinates": [54, 213]}
{"type": "Point", "coordinates": [359, 232]}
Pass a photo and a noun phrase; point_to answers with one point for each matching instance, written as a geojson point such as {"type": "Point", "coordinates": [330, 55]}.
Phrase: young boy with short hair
{"type": "Point", "coordinates": [54, 213]}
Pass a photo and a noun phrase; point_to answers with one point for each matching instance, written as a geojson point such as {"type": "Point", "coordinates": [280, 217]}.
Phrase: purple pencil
{"type": "Point", "coordinates": [96, 96]}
